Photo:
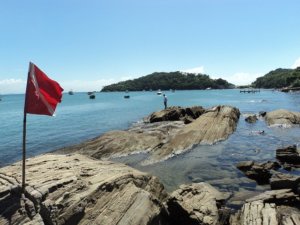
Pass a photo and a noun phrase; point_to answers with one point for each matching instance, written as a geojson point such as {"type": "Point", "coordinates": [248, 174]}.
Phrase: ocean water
{"type": "Point", "coordinates": [79, 118]}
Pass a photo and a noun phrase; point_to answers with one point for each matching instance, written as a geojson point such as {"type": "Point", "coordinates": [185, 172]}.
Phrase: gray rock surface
{"type": "Point", "coordinates": [268, 209]}
{"type": "Point", "coordinates": [214, 125]}
{"type": "Point", "coordinates": [197, 203]}
{"type": "Point", "coordinates": [282, 117]}
{"type": "Point", "coordinates": [75, 189]}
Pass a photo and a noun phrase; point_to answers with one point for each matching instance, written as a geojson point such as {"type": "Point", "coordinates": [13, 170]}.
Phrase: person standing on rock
{"type": "Point", "coordinates": [165, 101]}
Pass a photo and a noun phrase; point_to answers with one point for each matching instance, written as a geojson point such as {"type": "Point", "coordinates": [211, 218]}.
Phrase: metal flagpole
{"type": "Point", "coordinates": [24, 152]}
{"type": "Point", "coordinates": [24, 134]}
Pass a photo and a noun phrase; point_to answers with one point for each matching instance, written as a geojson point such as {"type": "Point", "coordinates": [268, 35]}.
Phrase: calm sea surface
{"type": "Point", "coordinates": [79, 118]}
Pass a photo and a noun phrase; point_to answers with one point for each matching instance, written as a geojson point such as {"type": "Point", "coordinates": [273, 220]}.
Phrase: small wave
{"type": "Point", "coordinates": [281, 125]}
{"type": "Point", "coordinates": [258, 101]}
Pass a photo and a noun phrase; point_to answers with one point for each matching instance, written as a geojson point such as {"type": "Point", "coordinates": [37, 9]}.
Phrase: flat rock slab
{"type": "Point", "coordinates": [75, 189]}
{"type": "Point", "coordinates": [282, 117]}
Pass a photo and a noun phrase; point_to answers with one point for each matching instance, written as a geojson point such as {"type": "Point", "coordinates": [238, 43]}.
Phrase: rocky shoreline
{"type": "Point", "coordinates": [76, 185]}
{"type": "Point", "coordinates": [164, 134]}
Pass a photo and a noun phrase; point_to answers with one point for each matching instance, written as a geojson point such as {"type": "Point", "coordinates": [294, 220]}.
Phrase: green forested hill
{"type": "Point", "coordinates": [279, 78]}
{"type": "Point", "coordinates": [172, 80]}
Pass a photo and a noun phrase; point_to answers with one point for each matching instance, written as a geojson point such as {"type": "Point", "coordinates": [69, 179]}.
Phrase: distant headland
{"type": "Point", "coordinates": [279, 78]}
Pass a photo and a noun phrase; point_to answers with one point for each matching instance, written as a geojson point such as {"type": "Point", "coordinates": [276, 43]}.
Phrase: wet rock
{"type": "Point", "coordinates": [245, 165]}
{"type": "Point", "coordinates": [282, 117]}
{"type": "Point", "coordinates": [260, 172]}
{"type": "Point", "coordinates": [196, 203]}
{"type": "Point", "coordinates": [262, 113]}
{"type": "Point", "coordinates": [170, 114]}
{"type": "Point", "coordinates": [194, 111]}
{"type": "Point", "coordinates": [251, 119]}
{"type": "Point", "coordinates": [175, 113]}
{"type": "Point", "coordinates": [290, 155]}
{"type": "Point", "coordinates": [284, 181]}
{"type": "Point", "coordinates": [75, 189]}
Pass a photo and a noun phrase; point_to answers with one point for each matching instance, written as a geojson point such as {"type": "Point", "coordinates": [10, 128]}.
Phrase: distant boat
{"type": "Point", "coordinates": [159, 92]}
{"type": "Point", "coordinates": [71, 92]}
{"type": "Point", "coordinates": [92, 94]}
{"type": "Point", "coordinates": [127, 95]}
{"type": "Point", "coordinates": [209, 88]}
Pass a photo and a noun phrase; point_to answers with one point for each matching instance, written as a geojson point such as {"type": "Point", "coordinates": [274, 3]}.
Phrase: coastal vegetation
{"type": "Point", "coordinates": [170, 80]}
{"type": "Point", "coordinates": [279, 78]}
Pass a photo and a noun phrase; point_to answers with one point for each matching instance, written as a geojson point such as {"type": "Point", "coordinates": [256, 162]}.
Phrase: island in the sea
{"type": "Point", "coordinates": [170, 80]}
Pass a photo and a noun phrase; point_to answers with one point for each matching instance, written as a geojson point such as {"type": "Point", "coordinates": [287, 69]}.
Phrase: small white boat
{"type": "Point", "coordinates": [159, 92]}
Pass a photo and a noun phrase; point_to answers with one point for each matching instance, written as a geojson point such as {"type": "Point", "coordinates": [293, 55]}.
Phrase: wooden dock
{"type": "Point", "coordinates": [250, 91]}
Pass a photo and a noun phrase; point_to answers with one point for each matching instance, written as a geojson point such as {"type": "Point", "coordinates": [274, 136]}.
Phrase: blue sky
{"type": "Point", "coordinates": [87, 44]}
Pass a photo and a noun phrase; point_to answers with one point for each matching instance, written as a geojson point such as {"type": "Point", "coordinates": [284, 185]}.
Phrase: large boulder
{"type": "Point", "coordinates": [195, 204]}
{"type": "Point", "coordinates": [282, 117]}
{"type": "Point", "coordinates": [75, 189]}
{"type": "Point", "coordinates": [214, 125]}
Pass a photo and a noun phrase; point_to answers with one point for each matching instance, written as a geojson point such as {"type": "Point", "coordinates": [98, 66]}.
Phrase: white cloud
{"type": "Point", "coordinates": [12, 86]}
{"type": "Point", "coordinates": [296, 64]}
{"type": "Point", "coordinates": [242, 78]}
{"type": "Point", "coordinates": [196, 70]}
{"type": "Point", "coordinates": [11, 81]}
{"type": "Point", "coordinates": [83, 85]}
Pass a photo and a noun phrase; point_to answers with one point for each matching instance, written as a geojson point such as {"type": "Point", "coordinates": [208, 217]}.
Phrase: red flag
{"type": "Point", "coordinates": [42, 93]}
